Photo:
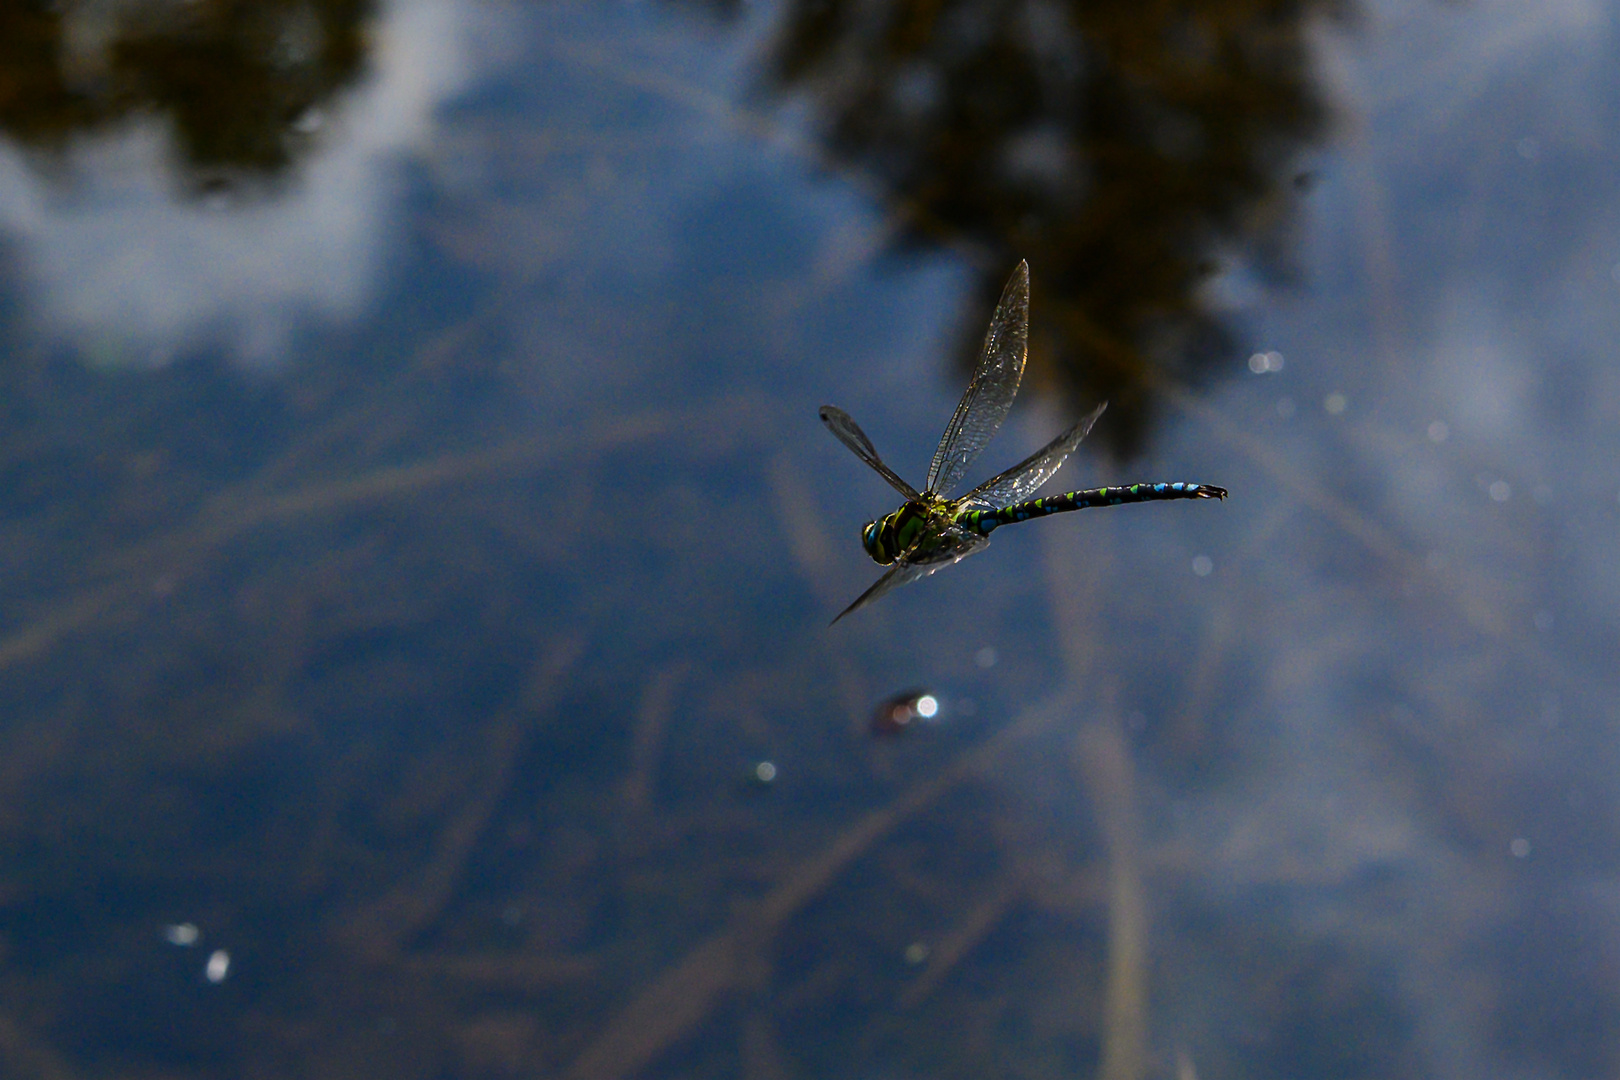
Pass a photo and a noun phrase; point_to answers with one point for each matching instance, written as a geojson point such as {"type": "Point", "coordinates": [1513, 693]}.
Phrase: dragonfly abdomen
{"type": "Point", "coordinates": [986, 521]}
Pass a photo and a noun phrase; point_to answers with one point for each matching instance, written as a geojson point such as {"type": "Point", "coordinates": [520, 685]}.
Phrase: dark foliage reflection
{"type": "Point", "coordinates": [242, 82]}
{"type": "Point", "coordinates": [1120, 147]}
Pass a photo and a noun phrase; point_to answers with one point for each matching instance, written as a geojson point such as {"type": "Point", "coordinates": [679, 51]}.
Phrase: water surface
{"type": "Point", "coordinates": [418, 540]}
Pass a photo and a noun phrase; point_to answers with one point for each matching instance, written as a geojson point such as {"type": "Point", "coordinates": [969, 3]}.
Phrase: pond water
{"type": "Point", "coordinates": [418, 543]}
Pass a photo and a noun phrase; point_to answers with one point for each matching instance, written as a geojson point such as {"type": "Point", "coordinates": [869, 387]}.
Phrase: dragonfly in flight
{"type": "Point", "coordinates": [931, 531]}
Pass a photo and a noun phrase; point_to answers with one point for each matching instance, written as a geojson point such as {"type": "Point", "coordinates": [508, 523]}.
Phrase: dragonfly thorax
{"type": "Point", "coordinates": [890, 537]}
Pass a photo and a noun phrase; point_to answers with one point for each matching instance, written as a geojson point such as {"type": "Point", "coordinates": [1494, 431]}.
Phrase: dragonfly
{"type": "Point", "coordinates": [931, 531]}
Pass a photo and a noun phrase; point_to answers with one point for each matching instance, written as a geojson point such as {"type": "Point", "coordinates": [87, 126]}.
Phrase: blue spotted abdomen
{"type": "Point", "coordinates": [986, 521]}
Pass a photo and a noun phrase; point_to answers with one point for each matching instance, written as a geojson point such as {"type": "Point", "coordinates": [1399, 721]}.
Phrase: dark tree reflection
{"type": "Point", "coordinates": [242, 82]}
{"type": "Point", "coordinates": [1119, 146]}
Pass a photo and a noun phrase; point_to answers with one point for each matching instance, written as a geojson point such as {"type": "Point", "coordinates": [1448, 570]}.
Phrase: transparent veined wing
{"type": "Point", "coordinates": [991, 391]}
{"type": "Point", "coordinates": [848, 432]}
{"type": "Point", "coordinates": [957, 544]}
{"type": "Point", "coordinates": [1024, 479]}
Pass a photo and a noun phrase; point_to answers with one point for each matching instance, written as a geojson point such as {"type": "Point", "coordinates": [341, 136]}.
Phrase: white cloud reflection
{"type": "Point", "coordinates": [133, 273]}
{"type": "Point", "coordinates": [1475, 396]}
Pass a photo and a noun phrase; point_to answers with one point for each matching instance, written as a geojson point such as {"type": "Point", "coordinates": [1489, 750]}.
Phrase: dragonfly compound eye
{"type": "Point", "coordinates": [872, 540]}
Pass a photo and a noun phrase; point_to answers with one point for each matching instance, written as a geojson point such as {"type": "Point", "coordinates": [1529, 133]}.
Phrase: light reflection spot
{"type": "Point", "coordinates": [1529, 149]}
{"type": "Point", "coordinates": [985, 657]}
{"type": "Point", "coordinates": [182, 934]}
{"type": "Point", "coordinates": [219, 966]}
{"type": "Point", "coordinates": [1262, 362]}
{"type": "Point", "coordinates": [1285, 407]}
{"type": "Point", "coordinates": [916, 953]}
{"type": "Point", "coordinates": [1543, 620]}
{"type": "Point", "coordinates": [1439, 432]}
{"type": "Point", "coordinates": [1520, 847]}
{"type": "Point", "coordinates": [1500, 491]}
{"type": "Point", "coordinates": [1335, 403]}
{"type": "Point", "coordinates": [765, 772]}
{"type": "Point", "coordinates": [1203, 565]}
{"type": "Point", "coordinates": [927, 706]}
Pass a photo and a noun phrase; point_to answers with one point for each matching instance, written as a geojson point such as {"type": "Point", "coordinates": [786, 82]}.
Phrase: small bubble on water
{"type": "Point", "coordinates": [985, 657]}
{"type": "Point", "coordinates": [1203, 565]}
{"type": "Point", "coordinates": [1335, 403]}
{"type": "Point", "coordinates": [916, 953]}
{"type": "Point", "coordinates": [1262, 362]}
{"type": "Point", "coordinates": [219, 966]}
{"type": "Point", "coordinates": [1500, 491]}
{"type": "Point", "coordinates": [1439, 432]}
{"type": "Point", "coordinates": [765, 772]}
{"type": "Point", "coordinates": [1520, 847]}
{"type": "Point", "coordinates": [1543, 620]}
{"type": "Point", "coordinates": [1528, 148]}
{"type": "Point", "coordinates": [1285, 407]}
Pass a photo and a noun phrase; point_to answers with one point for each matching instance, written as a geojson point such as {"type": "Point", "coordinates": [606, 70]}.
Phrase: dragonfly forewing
{"type": "Point", "coordinates": [990, 394]}
{"type": "Point", "coordinates": [1024, 479]}
{"type": "Point", "coordinates": [848, 432]}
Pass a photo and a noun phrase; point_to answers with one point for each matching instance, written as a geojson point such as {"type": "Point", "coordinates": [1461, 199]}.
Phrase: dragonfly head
{"type": "Point", "coordinates": [872, 539]}
{"type": "Point", "coordinates": [890, 537]}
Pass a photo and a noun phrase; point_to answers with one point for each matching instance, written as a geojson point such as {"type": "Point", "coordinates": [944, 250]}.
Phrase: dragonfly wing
{"type": "Point", "coordinates": [958, 546]}
{"type": "Point", "coordinates": [848, 432]}
{"type": "Point", "coordinates": [991, 391]}
{"type": "Point", "coordinates": [1024, 479]}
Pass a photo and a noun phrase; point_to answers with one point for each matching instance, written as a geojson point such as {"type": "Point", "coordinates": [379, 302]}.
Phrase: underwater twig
{"type": "Point", "coordinates": [506, 972]}
{"type": "Point", "coordinates": [228, 516]}
{"type": "Point", "coordinates": [964, 938]}
{"type": "Point", "coordinates": [678, 1001]}
{"type": "Point", "coordinates": [1104, 763]}
{"type": "Point", "coordinates": [390, 922]}
{"type": "Point", "coordinates": [657, 701]}
{"type": "Point", "coordinates": [804, 532]}
{"type": "Point", "coordinates": [1106, 774]}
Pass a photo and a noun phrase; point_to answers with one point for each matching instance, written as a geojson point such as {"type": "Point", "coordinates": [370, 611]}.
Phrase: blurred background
{"type": "Point", "coordinates": [417, 541]}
